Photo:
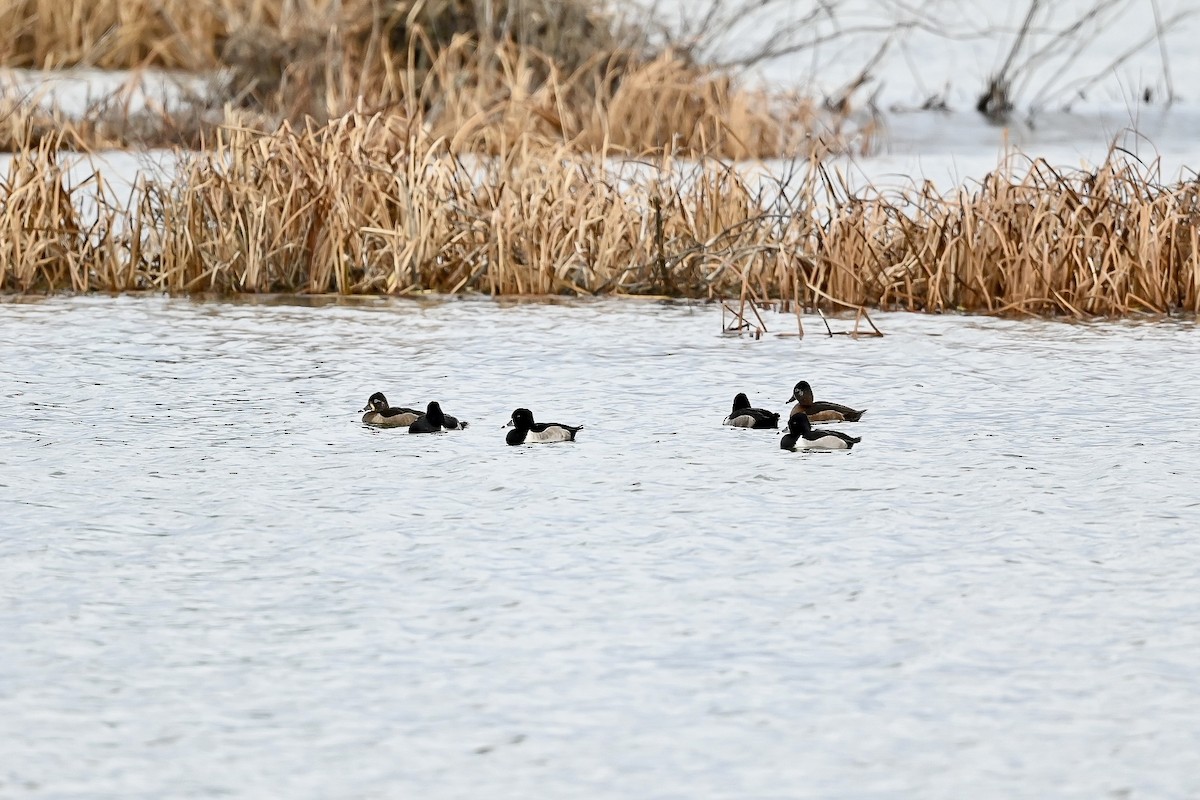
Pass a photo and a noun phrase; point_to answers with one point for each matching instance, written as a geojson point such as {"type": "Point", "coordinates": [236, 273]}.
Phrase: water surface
{"type": "Point", "coordinates": [215, 582]}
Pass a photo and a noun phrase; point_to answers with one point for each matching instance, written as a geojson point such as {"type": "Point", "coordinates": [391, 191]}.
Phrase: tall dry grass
{"type": "Point", "coordinates": [1111, 240]}
{"type": "Point", "coordinates": [661, 105]}
{"type": "Point", "coordinates": [372, 204]}
{"type": "Point", "coordinates": [62, 233]}
{"type": "Point", "coordinates": [112, 34]}
{"type": "Point", "coordinates": [190, 35]}
{"type": "Point", "coordinates": [111, 124]}
{"type": "Point", "coordinates": [319, 58]}
{"type": "Point", "coordinates": [368, 206]}
{"type": "Point", "coordinates": [571, 71]}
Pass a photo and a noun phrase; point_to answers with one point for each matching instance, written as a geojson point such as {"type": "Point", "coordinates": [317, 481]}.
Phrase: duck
{"type": "Point", "coordinates": [435, 420]}
{"type": "Point", "coordinates": [801, 436]}
{"type": "Point", "coordinates": [743, 416]}
{"type": "Point", "coordinates": [524, 429]}
{"type": "Point", "coordinates": [380, 414]}
{"type": "Point", "coordinates": [820, 412]}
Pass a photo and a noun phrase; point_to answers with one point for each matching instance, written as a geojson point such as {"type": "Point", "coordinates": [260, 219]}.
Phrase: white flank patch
{"type": "Point", "coordinates": [823, 443]}
{"type": "Point", "coordinates": [743, 421]}
{"type": "Point", "coordinates": [551, 434]}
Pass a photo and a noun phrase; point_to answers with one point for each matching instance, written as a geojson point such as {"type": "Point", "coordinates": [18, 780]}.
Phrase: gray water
{"type": "Point", "coordinates": [214, 581]}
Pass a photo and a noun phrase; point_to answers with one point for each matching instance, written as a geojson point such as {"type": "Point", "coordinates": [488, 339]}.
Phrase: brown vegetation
{"type": "Point", "coordinates": [197, 36]}
{"type": "Point", "coordinates": [648, 108]}
{"type": "Point", "coordinates": [1109, 241]}
{"type": "Point", "coordinates": [573, 72]}
{"type": "Point", "coordinates": [368, 205]}
{"type": "Point", "coordinates": [109, 124]}
{"type": "Point", "coordinates": [49, 241]}
{"type": "Point", "coordinates": [528, 147]}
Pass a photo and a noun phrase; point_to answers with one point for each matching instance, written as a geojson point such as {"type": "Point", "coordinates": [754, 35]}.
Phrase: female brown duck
{"type": "Point", "coordinates": [380, 414]}
{"type": "Point", "coordinates": [820, 412]}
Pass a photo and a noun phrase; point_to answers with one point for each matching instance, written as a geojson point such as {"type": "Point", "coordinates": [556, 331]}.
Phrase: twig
{"type": "Point", "coordinates": [1162, 51]}
{"type": "Point", "coordinates": [796, 305]}
{"type": "Point", "coordinates": [828, 330]}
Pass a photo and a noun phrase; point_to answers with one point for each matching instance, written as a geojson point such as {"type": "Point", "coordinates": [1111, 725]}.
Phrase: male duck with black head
{"type": "Point", "coordinates": [820, 412]}
{"type": "Point", "coordinates": [525, 430]}
{"type": "Point", "coordinates": [801, 436]}
{"type": "Point", "coordinates": [435, 420]}
{"type": "Point", "coordinates": [743, 416]}
{"type": "Point", "coordinates": [381, 415]}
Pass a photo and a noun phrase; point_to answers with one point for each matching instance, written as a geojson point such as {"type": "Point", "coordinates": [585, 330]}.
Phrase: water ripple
{"type": "Point", "coordinates": [215, 582]}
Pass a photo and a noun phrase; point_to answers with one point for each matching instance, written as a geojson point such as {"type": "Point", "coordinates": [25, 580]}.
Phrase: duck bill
{"type": "Point", "coordinates": [508, 424]}
{"type": "Point", "coordinates": [365, 408]}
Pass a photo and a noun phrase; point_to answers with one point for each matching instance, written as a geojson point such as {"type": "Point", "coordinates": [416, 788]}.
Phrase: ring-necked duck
{"type": "Point", "coordinates": [820, 412]}
{"type": "Point", "coordinates": [801, 436]}
{"type": "Point", "coordinates": [524, 429]}
{"type": "Point", "coordinates": [434, 420]}
{"type": "Point", "coordinates": [379, 413]}
{"type": "Point", "coordinates": [743, 416]}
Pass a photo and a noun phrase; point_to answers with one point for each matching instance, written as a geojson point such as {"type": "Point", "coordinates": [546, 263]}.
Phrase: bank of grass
{"type": "Point", "coordinates": [370, 205]}
{"type": "Point", "coordinates": [664, 103]}
{"type": "Point", "coordinates": [578, 71]}
{"type": "Point", "coordinates": [110, 123]}
{"type": "Point", "coordinates": [270, 37]}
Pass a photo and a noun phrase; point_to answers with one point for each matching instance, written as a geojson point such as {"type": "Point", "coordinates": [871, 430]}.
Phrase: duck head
{"type": "Point", "coordinates": [802, 393]}
{"type": "Point", "coordinates": [522, 419]}
{"type": "Point", "coordinates": [434, 412]}
{"type": "Point", "coordinates": [799, 425]}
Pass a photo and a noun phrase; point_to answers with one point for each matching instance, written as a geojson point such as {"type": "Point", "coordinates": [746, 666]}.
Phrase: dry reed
{"type": "Point", "coordinates": [366, 206]}
{"type": "Point", "coordinates": [61, 235]}
{"type": "Point", "coordinates": [661, 105]}
{"type": "Point", "coordinates": [109, 124]}
{"type": "Point", "coordinates": [372, 204]}
{"type": "Point", "coordinates": [175, 34]}
{"type": "Point", "coordinates": [570, 72]}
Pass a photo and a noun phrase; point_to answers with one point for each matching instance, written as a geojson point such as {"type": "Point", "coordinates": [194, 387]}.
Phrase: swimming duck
{"type": "Point", "coordinates": [434, 420]}
{"type": "Point", "coordinates": [524, 429]}
{"type": "Point", "coordinates": [379, 413]}
{"type": "Point", "coordinates": [454, 423]}
{"type": "Point", "coordinates": [820, 412]}
{"type": "Point", "coordinates": [743, 416]}
{"type": "Point", "coordinates": [801, 436]}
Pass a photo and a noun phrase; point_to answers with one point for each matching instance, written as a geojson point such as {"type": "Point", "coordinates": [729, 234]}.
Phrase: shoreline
{"type": "Point", "coordinates": [810, 315]}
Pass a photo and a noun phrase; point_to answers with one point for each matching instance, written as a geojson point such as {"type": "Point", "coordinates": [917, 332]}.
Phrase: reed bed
{"type": "Point", "coordinates": [368, 206]}
{"type": "Point", "coordinates": [196, 36]}
{"type": "Point", "coordinates": [373, 204]}
{"type": "Point", "coordinates": [663, 104]}
{"type": "Point", "coordinates": [62, 234]}
{"type": "Point", "coordinates": [107, 124]}
{"type": "Point", "coordinates": [572, 71]}
{"type": "Point", "coordinates": [1109, 241]}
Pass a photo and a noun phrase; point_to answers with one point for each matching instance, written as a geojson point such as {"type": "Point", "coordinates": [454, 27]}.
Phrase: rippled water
{"type": "Point", "coordinates": [215, 581]}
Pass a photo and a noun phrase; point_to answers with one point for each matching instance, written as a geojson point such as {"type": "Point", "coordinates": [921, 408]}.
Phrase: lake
{"type": "Point", "coordinates": [214, 581]}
